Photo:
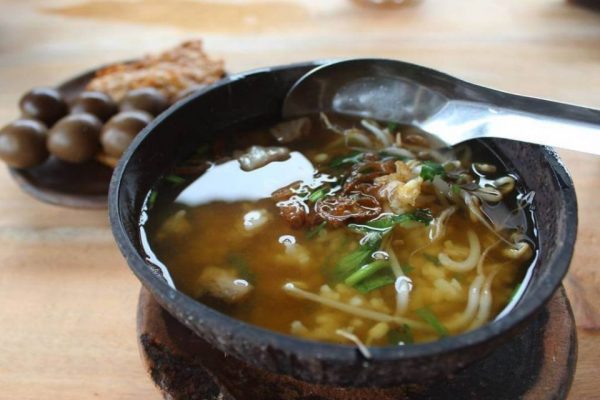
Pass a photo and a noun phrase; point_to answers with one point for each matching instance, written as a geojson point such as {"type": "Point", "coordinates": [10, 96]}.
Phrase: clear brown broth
{"type": "Point", "coordinates": [215, 236]}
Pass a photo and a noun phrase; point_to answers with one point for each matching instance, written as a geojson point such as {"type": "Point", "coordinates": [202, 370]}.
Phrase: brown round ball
{"type": "Point", "coordinates": [146, 99]}
{"type": "Point", "coordinates": [23, 143]}
{"type": "Point", "coordinates": [96, 103]}
{"type": "Point", "coordinates": [120, 130]}
{"type": "Point", "coordinates": [75, 138]}
{"type": "Point", "coordinates": [44, 104]}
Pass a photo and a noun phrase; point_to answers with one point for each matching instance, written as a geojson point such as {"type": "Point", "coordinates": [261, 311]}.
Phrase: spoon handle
{"type": "Point", "coordinates": [546, 123]}
{"type": "Point", "coordinates": [554, 132]}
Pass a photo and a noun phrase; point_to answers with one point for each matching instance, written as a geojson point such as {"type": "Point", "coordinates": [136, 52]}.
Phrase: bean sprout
{"type": "Point", "coordinates": [364, 350]}
{"type": "Point", "coordinates": [468, 263]}
{"type": "Point", "coordinates": [383, 136]}
{"type": "Point", "coordinates": [291, 289]}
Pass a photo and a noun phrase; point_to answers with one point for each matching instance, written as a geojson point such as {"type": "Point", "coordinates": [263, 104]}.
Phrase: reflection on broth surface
{"type": "Point", "coordinates": [344, 231]}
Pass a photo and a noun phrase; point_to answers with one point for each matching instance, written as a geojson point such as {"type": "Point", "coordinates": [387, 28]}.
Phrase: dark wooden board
{"type": "Point", "coordinates": [539, 364]}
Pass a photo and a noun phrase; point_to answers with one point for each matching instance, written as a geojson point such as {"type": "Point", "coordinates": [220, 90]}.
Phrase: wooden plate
{"type": "Point", "coordinates": [64, 184]}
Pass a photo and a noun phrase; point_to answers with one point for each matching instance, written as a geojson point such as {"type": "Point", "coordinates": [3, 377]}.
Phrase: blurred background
{"type": "Point", "coordinates": [541, 48]}
{"type": "Point", "coordinates": [536, 47]}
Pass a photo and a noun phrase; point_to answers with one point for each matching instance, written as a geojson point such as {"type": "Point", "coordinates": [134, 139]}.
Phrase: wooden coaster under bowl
{"type": "Point", "coordinates": [539, 363]}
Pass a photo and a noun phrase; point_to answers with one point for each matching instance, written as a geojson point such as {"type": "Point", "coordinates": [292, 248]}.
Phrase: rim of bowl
{"type": "Point", "coordinates": [308, 349]}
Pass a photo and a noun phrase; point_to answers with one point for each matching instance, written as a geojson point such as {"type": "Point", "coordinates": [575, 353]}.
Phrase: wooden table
{"type": "Point", "coordinates": [67, 299]}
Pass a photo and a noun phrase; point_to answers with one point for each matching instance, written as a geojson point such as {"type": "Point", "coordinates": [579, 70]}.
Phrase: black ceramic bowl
{"type": "Point", "coordinates": [252, 98]}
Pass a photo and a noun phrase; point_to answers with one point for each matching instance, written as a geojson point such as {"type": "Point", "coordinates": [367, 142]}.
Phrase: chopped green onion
{"type": "Point", "coordinates": [366, 271]}
{"type": "Point", "coordinates": [392, 127]}
{"type": "Point", "coordinates": [364, 228]}
{"type": "Point", "coordinates": [401, 335]}
{"type": "Point", "coordinates": [407, 268]}
{"type": "Point", "coordinates": [351, 158]}
{"type": "Point", "coordinates": [375, 282]}
{"type": "Point", "coordinates": [434, 259]}
{"type": "Point", "coordinates": [151, 199]}
{"type": "Point", "coordinates": [350, 263]}
{"type": "Point", "coordinates": [429, 317]}
{"type": "Point", "coordinates": [455, 188]}
{"type": "Point", "coordinates": [430, 170]}
{"type": "Point", "coordinates": [311, 233]}
{"type": "Point", "coordinates": [388, 222]}
{"type": "Point", "coordinates": [175, 179]}
{"type": "Point", "coordinates": [318, 194]}
{"type": "Point", "coordinates": [400, 219]}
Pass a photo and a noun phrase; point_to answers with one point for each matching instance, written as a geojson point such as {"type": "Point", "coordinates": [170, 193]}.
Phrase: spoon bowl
{"type": "Point", "coordinates": [448, 109]}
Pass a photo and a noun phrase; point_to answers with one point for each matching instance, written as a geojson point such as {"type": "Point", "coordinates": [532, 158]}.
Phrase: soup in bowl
{"type": "Point", "coordinates": [336, 250]}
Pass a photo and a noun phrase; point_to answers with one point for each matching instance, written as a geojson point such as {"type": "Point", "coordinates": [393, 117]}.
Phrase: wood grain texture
{"type": "Point", "coordinates": [67, 300]}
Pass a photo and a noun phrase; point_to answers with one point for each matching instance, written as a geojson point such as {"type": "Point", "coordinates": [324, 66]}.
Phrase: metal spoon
{"type": "Point", "coordinates": [446, 107]}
